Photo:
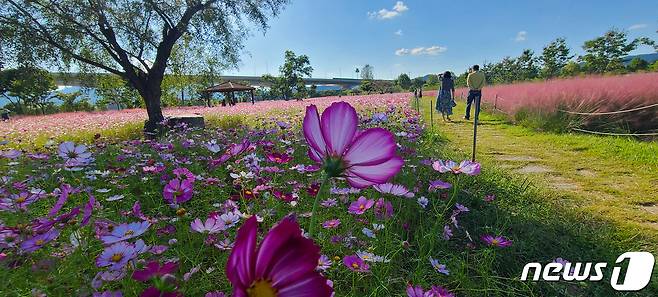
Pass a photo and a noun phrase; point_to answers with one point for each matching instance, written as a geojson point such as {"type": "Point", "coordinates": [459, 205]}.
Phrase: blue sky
{"type": "Point", "coordinates": [420, 37]}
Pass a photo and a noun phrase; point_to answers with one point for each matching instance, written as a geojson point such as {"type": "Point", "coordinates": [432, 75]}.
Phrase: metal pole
{"type": "Point", "coordinates": [496, 103]}
{"type": "Point", "coordinates": [432, 113]}
{"type": "Point", "coordinates": [475, 124]}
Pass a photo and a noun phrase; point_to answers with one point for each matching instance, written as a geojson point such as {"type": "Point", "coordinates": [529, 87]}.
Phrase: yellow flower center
{"type": "Point", "coordinates": [355, 265]}
{"type": "Point", "coordinates": [336, 258]}
{"type": "Point", "coordinates": [362, 206]}
{"type": "Point", "coordinates": [39, 242]}
{"type": "Point", "coordinates": [495, 242]}
{"type": "Point", "coordinates": [248, 192]}
{"type": "Point", "coordinates": [20, 200]}
{"type": "Point", "coordinates": [116, 257]}
{"type": "Point", "coordinates": [261, 288]}
{"type": "Point", "coordinates": [129, 232]}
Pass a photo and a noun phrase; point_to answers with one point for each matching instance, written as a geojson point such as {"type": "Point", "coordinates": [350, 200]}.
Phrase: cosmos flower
{"type": "Point", "coordinates": [355, 263]}
{"type": "Point", "coordinates": [331, 224]}
{"type": "Point", "coordinates": [282, 265]}
{"type": "Point", "coordinates": [467, 167]}
{"type": "Point", "coordinates": [447, 232]}
{"type": "Point", "coordinates": [438, 184]}
{"type": "Point", "coordinates": [489, 197]}
{"type": "Point", "coordinates": [178, 191]}
{"type": "Point", "coordinates": [423, 201]}
{"type": "Point", "coordinates": [383, 209]}
{"type": "Point", "coordinates": [77, 155]}
{"type": "Point", "coordinates": [10, 154]}
{"type": "Point", "coordinates": [212, 225]}
{"type": "Point", "coordinates": [108, 294]}
{"type": "Point", "coordinates": [279, 158]}
{"type": "Point", "coordinates": [330, 202]}
{"type": "Point", "coordinates": [365, 158]}
{"type": "Point", "coordinates": [323, 263]}
{"type": "Point", "coordinates": [125, 232]}
{"type": "Point", "coordinates": [229, 219]}
{"type": "Point", "coordinates": [37, 242]}
{"type": "Point", "coordinates": [116, 256]}
{"type": "Point", "coordinates": [440, 268]}
{"type": "Point", "coordinates": [154, 269]}
{"type": "Point", "coordinates": [396, 190]}
{"type": "Point", "coordinates": [497, 241]}
{"type": "Point", "coordinates": [437, 291]}
{"type": "Point", "coordinates": [360, 205]}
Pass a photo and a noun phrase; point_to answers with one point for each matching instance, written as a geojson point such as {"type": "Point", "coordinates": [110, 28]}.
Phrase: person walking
{"type": "Point", "coordinates": [475, 81]}
{"type": "Point", "coordinates": [445, 99]}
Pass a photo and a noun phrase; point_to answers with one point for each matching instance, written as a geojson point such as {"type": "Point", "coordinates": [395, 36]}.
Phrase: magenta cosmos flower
{"type": "Point", "coordinates": [282, 266]}
{"type": "Point", "coordinates": [365, 158]}
{"type": "Point", "coordinates": [154, 269]}
{"type": "Point", "coordinates": [355, 263]}
{"type": "Point", "coordinates": [497, 241]}
{"type": "Point", "coordinates": [178, 191]}
{"type": "Point", "coordinates": [467, 167]}
{"type": "Point", "coordinates": [360, 205]}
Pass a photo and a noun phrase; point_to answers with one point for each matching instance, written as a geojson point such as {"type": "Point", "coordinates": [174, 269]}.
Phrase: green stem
{"type": "Point", "coordinates": [321, 191]}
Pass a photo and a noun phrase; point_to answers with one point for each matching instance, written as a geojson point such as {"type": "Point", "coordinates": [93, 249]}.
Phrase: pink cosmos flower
{"type": "Point", "coordinates": [383, 209]}
{"type": "Point", "coordinates": [283, 265]}
{"type": "Point", "coordinates": [178, 191]}
{"type": "Point", "coordinates": [355, 263]}
{"type": "Point", "coordinates": [212, 225]}
{"type": "Point", "coordinates": [279, 158]}
{"type": "Point", "coordinates": [467, 167]}
{"type": "Point", "coordinates": [393, 189]}
{"type": "Point", "coordinates": [331, 224]}
{"type": "Point", "coordinates": [360, 205]}
{"type": "Point", "coordinates": [497, 241]}
{"type": "Point", "coordinates": [365, 158]}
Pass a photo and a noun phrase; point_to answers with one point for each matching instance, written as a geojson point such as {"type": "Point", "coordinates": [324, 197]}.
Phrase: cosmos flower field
{"type": "Point", "coordinates": [335, 196]}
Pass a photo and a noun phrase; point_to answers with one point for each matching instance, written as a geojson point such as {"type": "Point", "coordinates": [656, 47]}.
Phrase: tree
{"type": "Point", "coordinates": [605, 53]}
{"type": "Point", "coordinates": [404, 81]}
{"type": "Point", "coordinates": [290, 83]}
{"type": "Point", "coordinates": [432, 80]}
{"type": "Point", "coordinates": [417, 82]}
{"type": "Point", "coordinates": [637, 64]}
{"type": "Point", "coordinates": [131, 38]}
{"type": "Point", "coordinates": [111, 89]}
{"type": "Point", "coordinates": [572, 68]}
{"type": "Point", "coordinates": [28, 87]}
{"type": "Point", "coordinates": [367, 72]}
{"type": "Point", "coordinates": [554, 57]}
{"type": "Point", "coordinates": [74, 101]}
{"type": "Point", "coordinates": [357, 72]}
{"type": "Point", "coordinates": [526, 66]}
{"type": "Point", "coordinates": [654, 66]}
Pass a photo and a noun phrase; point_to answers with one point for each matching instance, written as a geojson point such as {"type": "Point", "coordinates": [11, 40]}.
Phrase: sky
{"type": "Point", "coordinates": [421, 37]}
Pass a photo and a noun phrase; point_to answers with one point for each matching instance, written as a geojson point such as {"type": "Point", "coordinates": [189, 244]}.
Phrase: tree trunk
{"type": "Point", "coordinates": [151, 93]}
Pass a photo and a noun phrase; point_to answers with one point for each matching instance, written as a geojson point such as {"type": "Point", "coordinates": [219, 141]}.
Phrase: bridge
{"type": "Point", "coordinates": [72, 79]}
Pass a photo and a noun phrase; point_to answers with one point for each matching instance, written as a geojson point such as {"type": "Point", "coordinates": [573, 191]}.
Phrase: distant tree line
{"type": "Point", "coordinates": [603, 55]}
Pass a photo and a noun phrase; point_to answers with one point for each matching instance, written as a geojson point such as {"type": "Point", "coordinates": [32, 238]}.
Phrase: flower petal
{"type": "Point", "coordinates": [311, 285]}
{"type": "Point", "coordinates": [338, 124]}
{"type": "Point", "coordinates": [371, 147]}
{"type": "Point", "coordinates": [377, 174]}
{"type": "Point", "coordinates": [312, 131]}
{"type": "Point", "coordinates": [241, 262]}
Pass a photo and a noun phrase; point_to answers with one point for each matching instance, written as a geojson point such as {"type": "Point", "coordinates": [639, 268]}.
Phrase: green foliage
{"type": "Point", "coordinates": [290, 83]}
{"type": "Point", "coordinates": [432, 79]}
{"type": "Point", "coordinates": [654, 66]}
{"type": "Point", "coordinates": [637, 64]}
{"type": "Point", "coordinates": [367, 72]}
{"type": "Point", "coordinates": [404, 81]}
{"type": "Point", "coordinates": [417, 82]}
{"type": "Point", "coordinates": [75, 101]}
{"type": "Point", "coordinates": [28, 88]}
{"type": "Point", "coordinates": [111, 89]}
{"type": "Point", "coordinates": [572, 68]}
{"type": "Point", "coordinates": [554, 57]}
{"type": "Point", "coordinates": [605, 53]}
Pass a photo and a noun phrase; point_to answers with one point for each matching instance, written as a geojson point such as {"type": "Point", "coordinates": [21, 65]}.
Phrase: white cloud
{"type": "Point", "coordinates": [384, 14]}
{"type": "Point", "coordinates": [420, 51]}
{"type": "Point", "coordinates": [398, 32]}
{"type": "Point", "coordinates": [637, 26]}
{"type": "Point", "coordinates": [521, 36]}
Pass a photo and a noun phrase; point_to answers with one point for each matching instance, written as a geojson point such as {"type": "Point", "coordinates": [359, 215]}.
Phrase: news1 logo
{"type": "Point", "coordinates": [638, 272]}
